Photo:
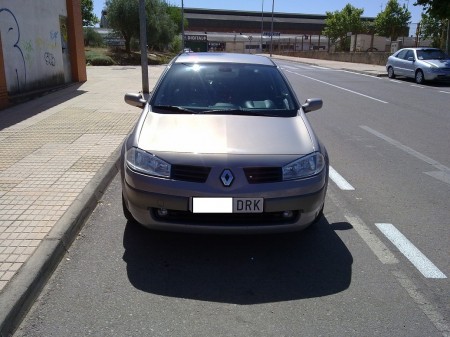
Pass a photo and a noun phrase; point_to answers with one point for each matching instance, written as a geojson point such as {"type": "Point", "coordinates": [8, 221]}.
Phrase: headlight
{"type": "Point", "coordinates": [147, 163]}
{"type": "Point", "coordinates": [435, 70]}
{"type": "Point", "coordinates": [304, 167]}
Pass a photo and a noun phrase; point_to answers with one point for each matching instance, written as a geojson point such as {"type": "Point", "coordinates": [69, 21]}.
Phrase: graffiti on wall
{"type": "Point", "coordinates": [54, 37]}
{"type": "Point", "coordinates": [49, 59]}
{"type": "Point", "coordinates": [10, 31]}
{"type": "Point", "coordinates": [32, 57]}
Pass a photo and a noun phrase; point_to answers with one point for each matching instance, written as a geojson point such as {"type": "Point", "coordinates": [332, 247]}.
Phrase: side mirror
{"type": "Point", "coordinates": [312, 104]}
{"type": "Point", "coordinates": [411, 59]}
{"type": "Point", "coordinates": [136, 100]}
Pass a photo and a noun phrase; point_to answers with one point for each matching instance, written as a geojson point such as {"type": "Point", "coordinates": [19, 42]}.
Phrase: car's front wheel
{"type": "Point", "coordinates": [391, 73]}
{"type": "Point", "coordinates": [419, 77]}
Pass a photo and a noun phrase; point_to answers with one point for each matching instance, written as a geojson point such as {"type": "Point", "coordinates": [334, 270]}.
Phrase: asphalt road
{"type": "Point", "coordinates": [376, 265]}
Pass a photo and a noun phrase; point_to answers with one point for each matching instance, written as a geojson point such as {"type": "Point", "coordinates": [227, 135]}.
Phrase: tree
{"type": "Point", "coordinates": [436, 8]}
{"type": "Point", "coordinates": [339, 23]}
{"type": "Point", "coordinates": [92, 38]}
{"type": "Point", "coordinates": [87, 13]}
{"type": "Point", "coordinates": [393, 21]}
{"type": "Point", "coordinates": [161, 29]}
{"type": "Point", "coordinates": [439, 9]}
{"type": "Point", "coordinates": [175, 15]}
{"type": "Point", "coordinates": [123, 17]}
{"type": "Point", "coordinates": [433, 28]}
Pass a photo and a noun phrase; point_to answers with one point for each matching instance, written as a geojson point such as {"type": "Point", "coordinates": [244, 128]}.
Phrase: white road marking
{"type": "Point", "coordinates": [414, 255]}
{"type": "Point", "coordinates": [340, 181]}
{"type": "Point", "coordinates": [424, 304]}
{"type": "Point", "coordinates": [361, 74]}
{"type": "Point", "coordinates": [387, 257]}
{"type": "Point", "coordinates": [289, 67]}
{"type": "Point", "coordinates": [444, 92]}
{"type": "Point", "coordinates": [336, 86]}
{"type": "Point", "coordinates": [445, 171]}
{"type": "Point", "coordinates": [378, 248]}
{"type": "Point", "coordinates": [369, 237]}
{"type": "Point", "coordinates": [440, 175]}
{"type": "Point", "coordinates": [318, 67]}
{"type": "Point", "coordinates": [417, 86]}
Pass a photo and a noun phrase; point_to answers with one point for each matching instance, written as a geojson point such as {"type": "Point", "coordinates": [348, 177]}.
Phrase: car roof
{"type": "Point", "coordinates": [224, 58]}
{"type": "Point", "coordinates": [422, 48]}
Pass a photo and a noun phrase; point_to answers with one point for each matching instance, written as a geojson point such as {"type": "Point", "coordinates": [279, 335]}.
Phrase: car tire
{"type": "Point", "coordinates": [420, 79]}
{"type": "Point", "coordinates": [126, 213]}
{"type": "Point", "coordinates": [391, 73]}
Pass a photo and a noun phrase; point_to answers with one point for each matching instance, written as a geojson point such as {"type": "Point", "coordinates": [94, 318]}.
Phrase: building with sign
{"type": "Point", "coordinates": [239, 31]}
{"type": "Point", "coordinates": [198, 43]}
{"type": "Point", "coordinates": [229, 21]}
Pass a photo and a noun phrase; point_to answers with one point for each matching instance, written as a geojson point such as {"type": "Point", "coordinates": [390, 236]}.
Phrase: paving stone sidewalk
{"type": "Point", "coordinates": [58, 153]}
{"type": "Point", "coordinates": [55, 152]}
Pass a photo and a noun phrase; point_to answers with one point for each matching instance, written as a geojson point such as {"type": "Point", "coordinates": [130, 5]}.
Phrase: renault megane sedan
{"type": "Point", "coordinates": [223, 146]}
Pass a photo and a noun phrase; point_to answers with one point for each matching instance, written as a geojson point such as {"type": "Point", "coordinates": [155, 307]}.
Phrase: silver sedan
{"type": "Point", "coordinates": [422, 64]}
{"type": "Point", "coordinates": [222, 146]}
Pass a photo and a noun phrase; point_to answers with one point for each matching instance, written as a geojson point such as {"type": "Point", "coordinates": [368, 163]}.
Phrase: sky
{"type": "Point", "coordinates": [371, 7]}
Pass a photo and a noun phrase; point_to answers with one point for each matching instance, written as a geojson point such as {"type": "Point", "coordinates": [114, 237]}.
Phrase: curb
{"type": "Point", "coordinates": [22, 291]}
{"type": "Point", "coordinates": [312, 62]}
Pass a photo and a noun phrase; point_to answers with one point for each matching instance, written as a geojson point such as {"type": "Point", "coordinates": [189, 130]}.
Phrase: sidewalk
{"type": "Point", "coordinates": [368, 69]}
{"type": "Point", "coordinates": [58, 154]}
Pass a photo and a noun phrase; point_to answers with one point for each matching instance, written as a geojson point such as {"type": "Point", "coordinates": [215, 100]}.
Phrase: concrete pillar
{"type": "Point", "coordinates": [76, 40]}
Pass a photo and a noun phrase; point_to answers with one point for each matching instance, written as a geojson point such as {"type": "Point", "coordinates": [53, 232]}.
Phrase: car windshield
{"type": "Point", "coordinates": [224, 88]}
{"type": "Point", "coordinates": [430, 54]}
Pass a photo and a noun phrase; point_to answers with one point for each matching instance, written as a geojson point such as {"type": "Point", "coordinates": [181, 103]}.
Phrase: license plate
{"type": "Point", "coordinates": [227, 205]}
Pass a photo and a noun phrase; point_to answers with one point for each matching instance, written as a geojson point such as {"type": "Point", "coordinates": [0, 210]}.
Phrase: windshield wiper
{"type": "Point", "coordinates": [174, 109]}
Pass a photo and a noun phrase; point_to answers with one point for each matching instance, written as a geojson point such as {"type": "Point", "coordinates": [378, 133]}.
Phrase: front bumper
{"type": "Point", "coordinates": [145, 196]}
{"type": "Point", "coordinates": [437, 75]}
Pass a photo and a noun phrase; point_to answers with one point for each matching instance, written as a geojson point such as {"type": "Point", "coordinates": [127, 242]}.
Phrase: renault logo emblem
{"type": "Point", "coordinates": [227, 178]}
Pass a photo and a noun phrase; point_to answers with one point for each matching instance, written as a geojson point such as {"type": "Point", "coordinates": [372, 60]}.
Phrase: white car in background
{"type": "Point", "coordinates": [422, 64]}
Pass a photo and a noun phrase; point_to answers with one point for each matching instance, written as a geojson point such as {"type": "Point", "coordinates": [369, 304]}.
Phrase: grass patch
{"type": "Point", "coordinates": [117, 56]}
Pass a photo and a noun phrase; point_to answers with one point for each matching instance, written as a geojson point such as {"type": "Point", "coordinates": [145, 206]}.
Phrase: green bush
{"type": "Point", "coordinates": [100, 61]}
{"type": "Point", "coordinates": [92, 38]}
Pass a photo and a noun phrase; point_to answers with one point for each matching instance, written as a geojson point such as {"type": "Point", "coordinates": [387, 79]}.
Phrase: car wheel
{"type": "Point", "coordinates": [127, 214]}
{"type": "Point", "coordinates": [391, 72]}
{"type": "Point", "coordinates": [419, 77]}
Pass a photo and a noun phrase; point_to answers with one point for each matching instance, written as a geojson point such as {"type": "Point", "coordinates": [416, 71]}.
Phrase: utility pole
{"type": "Point", "coordinates": [143, 41]}
{"type": "Point", "coordinates": [182, 25]}
{"type": "Point", "coordinates": [447, 44]}
{"type": "Point", "coordinates": [271, 30]}
{"type": "Point", "coordinates": [262, 24]}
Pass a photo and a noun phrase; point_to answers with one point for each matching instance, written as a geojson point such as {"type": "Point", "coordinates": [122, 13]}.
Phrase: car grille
{"type": "Point", "coordinates": [225, 219]}
{"type": "Point", "coordinates": [257, 175]}
{"type": "Point", "coordinates": [197, 174]}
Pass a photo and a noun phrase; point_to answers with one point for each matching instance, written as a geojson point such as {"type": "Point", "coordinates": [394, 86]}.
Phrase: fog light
{"type": "Point", "coordinates": [162, 212]}
{"type": "Point", "coordinates": [288, 214]}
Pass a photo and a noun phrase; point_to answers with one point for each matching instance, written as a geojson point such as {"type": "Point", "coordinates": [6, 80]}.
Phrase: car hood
{"type": "Point", "coordinates": [438, 63]}
{"type": "Point", "coordinates": [225, 134]}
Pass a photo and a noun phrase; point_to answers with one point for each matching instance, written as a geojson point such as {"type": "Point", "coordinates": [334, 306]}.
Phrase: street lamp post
{"type": "Point", "coordinates": [182, 25]}
{"type": "Point", "coordinates": [271, 30]}
{"type": "Point", "coordinates": [143, 41]}
{"type": "Point", "coordinates": [262, 24]}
